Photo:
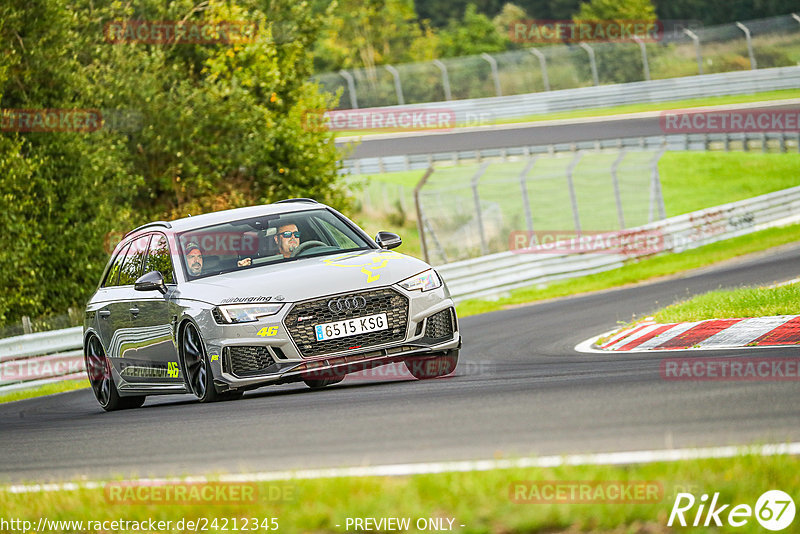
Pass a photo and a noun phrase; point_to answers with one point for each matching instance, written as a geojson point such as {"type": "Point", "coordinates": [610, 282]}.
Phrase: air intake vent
{"type": "Point", "coordinates": [248, 361]}
{"type": "Point", "coordinates": [440, 325]}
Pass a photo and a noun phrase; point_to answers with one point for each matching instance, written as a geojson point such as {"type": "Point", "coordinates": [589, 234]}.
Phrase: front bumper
{"type": "Point", "coordinates": [272, 346]}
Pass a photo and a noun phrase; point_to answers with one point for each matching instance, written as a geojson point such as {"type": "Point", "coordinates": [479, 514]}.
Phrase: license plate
{"type": "Point", "coordinates": [351, 327]}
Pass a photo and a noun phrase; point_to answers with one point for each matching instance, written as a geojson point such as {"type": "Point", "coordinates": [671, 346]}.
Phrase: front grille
{"type": "Point", "coordinates": [301, 320]}
{"type": "Point", "coordinates": [245, 361]}
{"type": "Point", "coordinates": [440, 325]}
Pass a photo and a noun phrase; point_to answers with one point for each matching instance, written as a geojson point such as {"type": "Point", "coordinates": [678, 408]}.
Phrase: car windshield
{"type": "Point", "coordinates": [267, 240]}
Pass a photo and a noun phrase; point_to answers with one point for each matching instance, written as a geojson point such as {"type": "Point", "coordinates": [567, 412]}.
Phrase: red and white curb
{"type": "Point", "coordinates": [775, 331]}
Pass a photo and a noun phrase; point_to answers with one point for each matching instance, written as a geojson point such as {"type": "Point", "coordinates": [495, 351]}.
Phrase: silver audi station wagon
{"type": "Point", "coordinates": [217, 304]}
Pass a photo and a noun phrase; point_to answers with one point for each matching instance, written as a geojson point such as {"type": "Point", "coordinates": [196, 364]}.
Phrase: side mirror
{"type": "Point", "coordinates": [152, 281]}
{"type": "Point", "coordinates": [387, 240]}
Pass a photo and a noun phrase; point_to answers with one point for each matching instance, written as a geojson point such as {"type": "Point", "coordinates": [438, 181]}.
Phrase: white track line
{"type": "Point", "coordinates": [610, 458]}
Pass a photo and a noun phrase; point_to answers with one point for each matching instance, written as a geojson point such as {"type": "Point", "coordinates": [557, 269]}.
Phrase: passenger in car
{"type": "Point", "coordinates": [194, 259]}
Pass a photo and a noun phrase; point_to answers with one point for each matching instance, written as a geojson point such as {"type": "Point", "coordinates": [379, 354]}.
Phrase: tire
{"type": "Point", "coordinates": [322, 382]}
{"type": "Point", "coordinates": [434, 366]}
{"type": "Point", "coordinates": [105, 391]}
{"type": "Point", "coordinates": [197, 368]}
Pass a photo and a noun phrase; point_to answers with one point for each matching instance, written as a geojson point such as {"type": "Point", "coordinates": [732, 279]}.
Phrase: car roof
{"type": "Point", "coordinates": [217, 217]}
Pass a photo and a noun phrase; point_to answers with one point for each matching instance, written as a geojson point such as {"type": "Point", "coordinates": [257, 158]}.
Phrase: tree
{"type": "Point", "coordinates": [215, 126]}
{"type": "Point", "coordinates": [617, 10]}
{"type": "Point", "coordinates": [473, 34]}
{"type": "Point", "coordinates": [364, 34]}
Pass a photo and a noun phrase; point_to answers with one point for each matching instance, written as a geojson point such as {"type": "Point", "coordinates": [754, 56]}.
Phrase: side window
{"type": "Point", "coordinates": [112, 278]}
{"type": "Point", "coordinates": [132, 267]}
{"type": "Point", "coordinates": [341, 240]}
{"type": "Point", "coordinates": [158, 259]}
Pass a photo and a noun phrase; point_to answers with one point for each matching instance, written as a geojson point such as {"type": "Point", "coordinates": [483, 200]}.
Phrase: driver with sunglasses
{"type": "Point", "coordinates": [287, 238]}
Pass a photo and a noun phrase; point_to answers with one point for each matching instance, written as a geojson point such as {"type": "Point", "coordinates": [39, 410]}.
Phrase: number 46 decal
{"type": "Point", "coordinates": [268, 331]}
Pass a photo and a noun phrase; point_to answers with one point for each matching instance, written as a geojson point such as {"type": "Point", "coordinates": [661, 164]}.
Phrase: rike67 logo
{"type": "Point", "coordinates": [774, 510]}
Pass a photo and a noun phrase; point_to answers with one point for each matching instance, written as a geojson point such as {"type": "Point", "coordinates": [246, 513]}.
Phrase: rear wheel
{"type": "Point", "coordinates": [433, 366]}
{"type": "Point", "coordinates": [99, 370]}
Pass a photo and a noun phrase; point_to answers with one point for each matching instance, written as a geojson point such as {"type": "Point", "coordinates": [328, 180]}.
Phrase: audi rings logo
{"type": "Point", "coordinates": [347, 303]}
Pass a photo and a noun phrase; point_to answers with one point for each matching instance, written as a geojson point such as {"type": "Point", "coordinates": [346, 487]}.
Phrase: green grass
{"type": "Point", "coordinates": [734, 303]}
{"type": "Point", "coordinates": [640, 271]}
{"type": "Point", "coordinates": [48, 389]}
{"type": "Point", "coordinates": [479, 500]}
{"type": "Point", "coordinates": [628, 108]}
{"type": "Point", "coordinates": [696, 180]}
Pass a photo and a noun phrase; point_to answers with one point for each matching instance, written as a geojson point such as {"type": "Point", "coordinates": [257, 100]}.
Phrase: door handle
{"type": "Point", "coordinates": [134, 311]}
{"type": "Point", "coordinates": [104, 313]}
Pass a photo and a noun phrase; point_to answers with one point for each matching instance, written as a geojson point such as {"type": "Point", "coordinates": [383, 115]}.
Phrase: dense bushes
{"type": "Point", "coordinates": [209, 126]}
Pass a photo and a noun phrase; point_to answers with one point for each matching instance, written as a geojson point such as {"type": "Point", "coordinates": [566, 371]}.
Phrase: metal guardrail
{"type": "Point", "coordinates": [469, 111]}
{"type": "Point", "coordinates": [498, 273]}
{"type": "Point", "coordinates": [35, 359]}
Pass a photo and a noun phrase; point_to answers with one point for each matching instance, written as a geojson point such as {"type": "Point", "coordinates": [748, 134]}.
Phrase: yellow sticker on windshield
{"type": "Point", "coordinates": [371, 268]}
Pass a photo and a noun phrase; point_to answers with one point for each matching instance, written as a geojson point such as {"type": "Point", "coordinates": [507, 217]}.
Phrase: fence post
{"type": "Point", "coordinates": [420, 216]}
{"type": "Point", "coordinates": [656, 198]}
{"type": "Point", "coordinates": [543, 65]}
{"type": "Point", "coordinates": [617, 197]}
{"type": "Point", "coordinates": [746, 31]}
{"type": "Point", "coordinates": [696, 41]}
{"type": "Point", "coordinates": [477, 200]}
{"type": "Point", "coordinates": [574, 199]}
{"type": "Point", "coordinates": [493, 64]}
{"type": "Point", "coordinates": [26, 325]}
{"type": "Point", "coordinates": [351, 88]}
{"type": "Point", "coordinates": [525, 202]}
{"type": "Point", "coordinates": [445, 79]}
{"type": "Point", "coordinates": [592, 62]}
{"type": "Point", "coordinates": [398, 88]}
{"type": "Point", "coordinates": [645, 64]}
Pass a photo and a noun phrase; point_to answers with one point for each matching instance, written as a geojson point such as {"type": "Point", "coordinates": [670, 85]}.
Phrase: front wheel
{"type": "Point", "coordinates": [99, 370]}
{"type": "Point", "coordinates": [198, 368]}
{"type": "Point", "coordinates": [432, 366]}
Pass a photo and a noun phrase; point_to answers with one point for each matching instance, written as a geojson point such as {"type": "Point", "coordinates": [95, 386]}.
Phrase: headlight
{"type": "Point", "coordinates": [424, 281]}
{"type": "Point", "coordinates": [247, 313]}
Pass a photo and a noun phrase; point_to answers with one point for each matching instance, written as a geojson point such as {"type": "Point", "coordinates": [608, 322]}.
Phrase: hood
{"type": "Point", "coordinates": [306, 278]}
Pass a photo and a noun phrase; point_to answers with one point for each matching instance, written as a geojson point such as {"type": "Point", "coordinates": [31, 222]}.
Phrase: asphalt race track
{"type": "Point", "coordinates": [511, 135]}
{"type": "Point", "coordinates": [520, 389]}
